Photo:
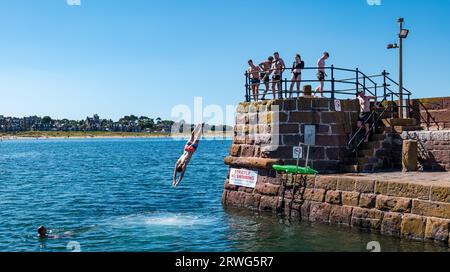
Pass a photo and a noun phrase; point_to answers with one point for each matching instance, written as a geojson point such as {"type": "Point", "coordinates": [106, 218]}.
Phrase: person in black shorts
{"type": "Point", "coordinates": [365, 116]}
{"type": "Point", "coordinates": [321, 72]}
{"type": "Point", "coordinates": [296, 78]}
{"type": "Point", "coordinates": [277, 69]}
{"type": "Point", "coordinates": [265, 74]}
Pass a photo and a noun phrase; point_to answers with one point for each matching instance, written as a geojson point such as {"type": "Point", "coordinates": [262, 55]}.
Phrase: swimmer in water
{"type": "Point", "coordinates": [189, 150]}
{"type": "Point", "coordinates": [43, 234]}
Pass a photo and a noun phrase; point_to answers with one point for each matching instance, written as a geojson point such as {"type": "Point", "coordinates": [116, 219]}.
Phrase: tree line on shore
{"type": "Point", "coordinates": [129, 123]}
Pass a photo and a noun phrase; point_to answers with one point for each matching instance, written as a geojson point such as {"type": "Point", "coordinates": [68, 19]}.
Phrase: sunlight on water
{"type": "Point", "coordinates": [116, 195]}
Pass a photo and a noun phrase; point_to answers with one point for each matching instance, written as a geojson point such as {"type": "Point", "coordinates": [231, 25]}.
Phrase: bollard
{"type": "Point", "coordinates": [409, 156]}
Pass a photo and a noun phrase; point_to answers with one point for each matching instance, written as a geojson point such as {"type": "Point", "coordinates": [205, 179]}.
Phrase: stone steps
{"type": "Point", "coordinates": [392, 122]}
{"type": "Point", "coordinates": [401, 129]}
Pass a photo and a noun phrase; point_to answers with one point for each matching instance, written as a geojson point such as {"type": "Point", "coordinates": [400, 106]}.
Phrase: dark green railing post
{"type": "Point", "coordinates": [357, 81]}
{"type": "Point", "coordinates": [247, 96]}
{"type": "Point", "coordinates": [332, 83]}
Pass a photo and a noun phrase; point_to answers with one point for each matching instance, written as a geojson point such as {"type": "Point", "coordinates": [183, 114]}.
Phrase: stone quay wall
{"type": "Point", "coordinates": [432, 113]}
{"type": "Point", "coordinates": [433, 148]}
{"type": "Point", "coordinates": [266, 132]}
{"type": "Point", "coordinates": [391, 207]}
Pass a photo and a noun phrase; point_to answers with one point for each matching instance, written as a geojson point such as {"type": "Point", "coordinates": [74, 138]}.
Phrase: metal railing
{"type": "Point", "coordinates": [341, 83]}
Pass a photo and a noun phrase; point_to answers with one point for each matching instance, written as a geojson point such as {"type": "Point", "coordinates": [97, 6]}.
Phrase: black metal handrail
{"type": "Point", "coordinates": [372, 128]}
{"type": "Point", "coordinates": [356, 82]}
{"type": "Point", "coordinates": [359, 81]}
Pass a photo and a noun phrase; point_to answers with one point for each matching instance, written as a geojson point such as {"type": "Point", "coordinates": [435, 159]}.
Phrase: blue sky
{"type": "Point", "coordinates": [144, 57]}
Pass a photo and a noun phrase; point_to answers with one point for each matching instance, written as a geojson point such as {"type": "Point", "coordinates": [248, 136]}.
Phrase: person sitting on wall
{"type": "Point", "coordinates": [321, 72]}
{"type": "Point", "coordinates": [265, 74]}
{"type": "Point", "coordinates": [253, 72]}
{"type": "Point", "coordinates": [277, 69]}
{"type": "Point", "coordinates": [364, 118]}
{"type": "Point", "coordinates": [189, 150]}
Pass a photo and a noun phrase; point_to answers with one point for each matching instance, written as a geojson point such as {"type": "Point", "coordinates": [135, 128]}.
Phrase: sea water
{"type": "Point", "coordinates": [116, 195]}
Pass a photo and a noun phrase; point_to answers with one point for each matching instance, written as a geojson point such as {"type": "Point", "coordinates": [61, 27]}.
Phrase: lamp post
{"type": "Point", "coordinates": [403, 34]}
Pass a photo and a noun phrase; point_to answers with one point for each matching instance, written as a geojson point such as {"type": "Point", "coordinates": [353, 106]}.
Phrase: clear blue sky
{"type": "Point", "coordinates": [143, 57]}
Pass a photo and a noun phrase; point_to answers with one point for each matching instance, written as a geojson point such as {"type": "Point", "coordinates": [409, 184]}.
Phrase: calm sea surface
{"type": "Point", "coordinates": [116, 195]}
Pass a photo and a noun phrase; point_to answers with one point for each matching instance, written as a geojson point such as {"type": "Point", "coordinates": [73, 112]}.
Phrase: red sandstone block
{"type": "Point", "coordinates": [367, 201]}
{"type": "Point", "coordinates": [335, 153]}
{"type": "Point", "coordinates": [333, 197]}
{"type": "Point", "coordinates": [441, 194]}
{"type": "Point", "coordinates": [267, 189]}
{"type": "Point", "coordinates": [350, 198]}
{"type": "Point", "coordinates": [333, 118]}
{"type": "Point", "coordinates": [323, 129]}
{"type": "Point", "coordinates": [304, 117]}
{"type": "Point", "coordinates": [367, 218]}
{"type": "Point", "coordinates": [252, 201]}
{"type": "Point", "coordinates": [322, 104]}
{"type": "Point", "coordinates": [364, 185]}
{"type": "Point", "coordinates": [331, 140]}
{"type": "Point", "coordinates": [268, 203]}
{"type": "Point", "coordinates": [304, 209]}
{"type": "Point", "coordinates": [319, 212]}
{"type": "Point", "coordinates": [326, 182]}
{"type": "Point", "coordinates": [431, 209]}
{"type": "Point", "coordinates": [279, 152]}
{"type": "Point", "coordinates": [391, 223]}
{"type": "Point", "coordinates": [341, 215]}
{"type": "Point", "coordinates": [409, 190]}
{"type": "Point", "coordinates": [317, 195]}
{"type": "Point", "coordinates": [413, 226]}
{"type": "Point", "coordinates": [304, 104]}
{"type": "Point", "coordinates": [437, 229]}
{"type": "Point", "coordinates": [235, 150]}
{"type": "Point", "coordinates": [289, 128]}
{"type": "Point", "coordinates": [290, 105]}
{"type": "Point", "coordinates": [394, 204]}
{"type": "Point", "coordinates": [247, 151]}
{"type": "Point", "coordinates": [292, 139]}
{"type": "Point", "coordinates": [230, 187]}
{"type": "Point", "coordinates": [346, 183]}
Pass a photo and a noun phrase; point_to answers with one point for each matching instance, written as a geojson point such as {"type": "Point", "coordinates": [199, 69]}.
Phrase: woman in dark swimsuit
{"type": "Point", "coordinates": [189, 150]}
{"type": "Point", "coordinates": [297, 67]}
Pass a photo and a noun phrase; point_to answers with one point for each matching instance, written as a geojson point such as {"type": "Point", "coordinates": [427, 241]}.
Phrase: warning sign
{"type": "Point", "coordinates": [297, 152]}
{"type": "Point", "coordinates": [243, 177]}
{"type": "Point", "coordinates": [337, 105]}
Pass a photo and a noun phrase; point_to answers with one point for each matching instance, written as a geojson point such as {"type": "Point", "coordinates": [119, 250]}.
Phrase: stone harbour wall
{"type": "Point", "coordinates": [432, 113]}
{"type": "Point", "coordinates": [433, 148]}
{"type": "Point", "coordinates": [403, 209]}
{"type": "Point", "coordinates": [266, 132]}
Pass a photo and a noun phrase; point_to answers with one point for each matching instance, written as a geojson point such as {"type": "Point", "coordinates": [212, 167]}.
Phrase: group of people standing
{"type": "Point", "coordinates": [271, 71]}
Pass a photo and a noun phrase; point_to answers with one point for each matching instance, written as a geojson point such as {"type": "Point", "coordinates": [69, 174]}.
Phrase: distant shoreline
{"type": "Point", "coordinates": [101, 135]}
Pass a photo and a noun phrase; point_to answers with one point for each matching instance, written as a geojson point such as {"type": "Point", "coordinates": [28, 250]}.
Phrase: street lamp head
{"type": "Point", "coordinates": [392, 46]}
{"type": "Point", "coordinates": [401, 20]}
{"type": "Point", "coordinates": [404, 33]}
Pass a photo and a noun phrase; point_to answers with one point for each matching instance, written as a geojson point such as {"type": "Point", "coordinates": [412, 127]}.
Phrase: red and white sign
{"type": "Point", "coordinates": [243, 177]}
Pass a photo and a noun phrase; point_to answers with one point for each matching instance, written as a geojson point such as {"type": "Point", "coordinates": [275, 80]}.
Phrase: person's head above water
{"type": "Point", "coordinates": [180, 168]}
{"type": "Point", "coordinates": [42, 232]}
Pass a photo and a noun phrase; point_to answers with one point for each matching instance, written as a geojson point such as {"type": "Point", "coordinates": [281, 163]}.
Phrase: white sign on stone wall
{"type": "Point", "coordinates": [297, 152]}
{"type": "Point", "coordinates": [337, 105]}
{"type": "Point", "coordinates": [243, 177]}
{"type": "Point", "coordinates": [310, 135]}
